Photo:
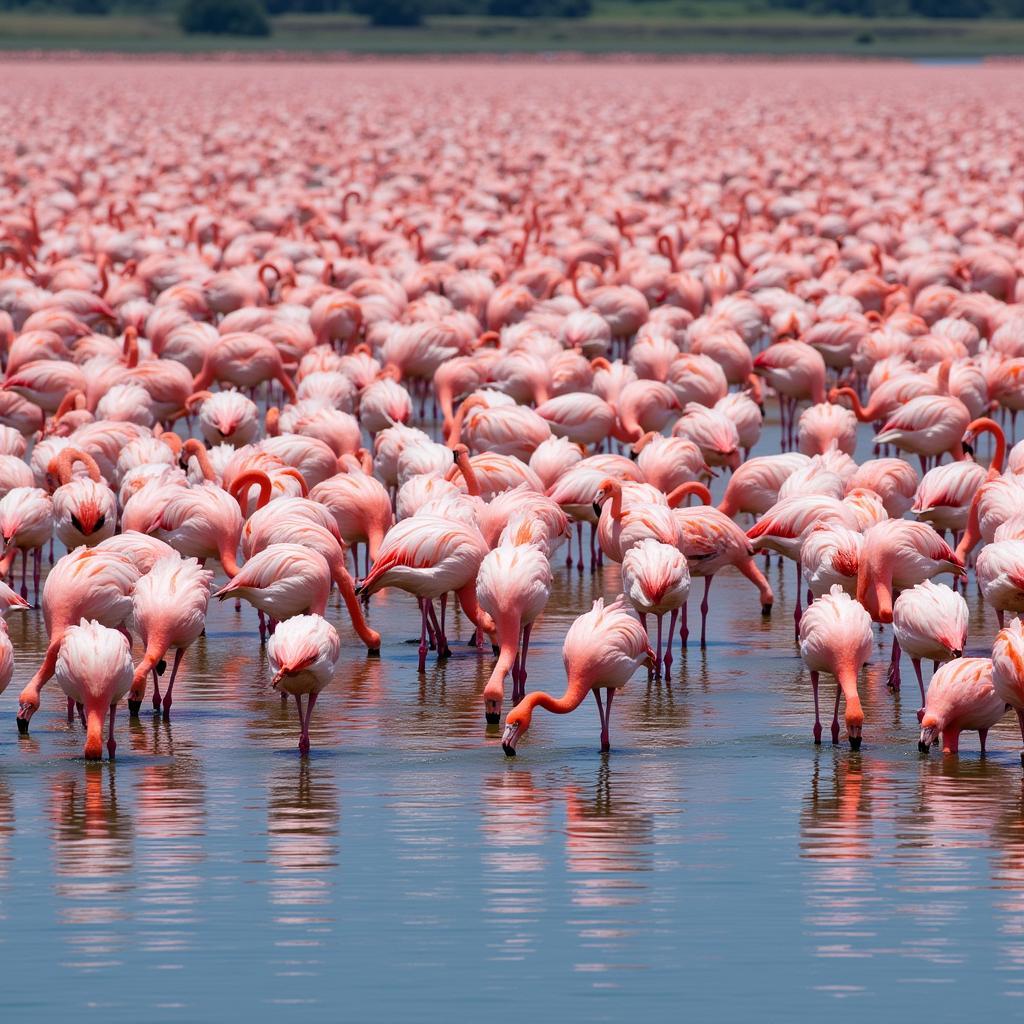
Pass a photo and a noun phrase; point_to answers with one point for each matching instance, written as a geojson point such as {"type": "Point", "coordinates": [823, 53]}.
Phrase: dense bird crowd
{"type": "Point", "coordinates": [420, 341]}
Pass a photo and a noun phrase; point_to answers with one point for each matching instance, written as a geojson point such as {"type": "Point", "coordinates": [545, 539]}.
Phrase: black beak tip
{"type": "Point", "coordinates": [373, 652]}
{"type": "Point", "coordinates": [161, 667]}
{"type": "Point", "coordinates": [766, 610]}
{"type": "Point", "coordinates": [493, 718]}
{"type": "Point", "coordinates": [597, 509]}
{"type": "Point", "coordinates": [22, 726]}
{"type": "Point", "coordinates": [510, 751]}
{"type": "Point", "coordinates": [855, 743]}
{"type": "Point", "coordinates": [134, 707]}
{"type": "Point", "coordinates": [923, 747]}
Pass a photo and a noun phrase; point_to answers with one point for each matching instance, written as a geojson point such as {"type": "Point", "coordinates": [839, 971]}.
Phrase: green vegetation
{"type": "Point", "coordinates": [224, 17]}
{"type": "Point", "coordinates": [665, 27]}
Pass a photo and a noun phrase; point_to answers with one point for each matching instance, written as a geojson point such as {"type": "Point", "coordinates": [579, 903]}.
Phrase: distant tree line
{"type": "Point", "coordinates": [251, 17]}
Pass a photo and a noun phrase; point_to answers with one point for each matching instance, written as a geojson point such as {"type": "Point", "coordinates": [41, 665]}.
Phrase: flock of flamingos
{"type": "Point", "coordinates": [452, 379]}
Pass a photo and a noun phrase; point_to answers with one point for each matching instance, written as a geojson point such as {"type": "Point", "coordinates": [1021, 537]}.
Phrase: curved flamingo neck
{"type": "Point", "coordinates": [985, 425]}
{"type": "Point", "coordinates": [644, 441]}
{"type": "Point", "coordinates": [240, 488]}
{"type": "Point", "coordinates": [683, 491]}
{"type": "Point", "coordinates": [273, 421]}
{"type": "Point", "coordinates": [74, 399]}
{"type": "Point", "coordinates": [131, 346]}
{"type": "Point", "coordinates": [473, 402]}
{"type": "Point", "coordinates": [466, 468]}
{"type": "Point", "coordinates": [943, 384]}
{"type": "Point", "coordinates": [863, 414]}
{"type": "Point", "coordinates": [195, 449]}
{"type": "Point", "coordinates": [615, 489]}
{"type": "Point", "coordinates": [66, 465]}
{"type": "Point", "coordinates": [569, 701]}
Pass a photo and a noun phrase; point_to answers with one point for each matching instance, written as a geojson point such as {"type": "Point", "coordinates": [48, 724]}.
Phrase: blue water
{"type": "Point", "coordinates": [715, 865]}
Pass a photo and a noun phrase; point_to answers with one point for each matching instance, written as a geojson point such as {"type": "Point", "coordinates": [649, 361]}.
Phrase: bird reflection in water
{"type": "Point", "coordinates": [303, 819]}
{"type": "Point", "coordinates": [6, 831]}
{"type": "Point", "coordinates": [169, 794]}
{"type": "Point", "coordinates": [93, 856]}
{"type": "Point", "coordinates": [515, 825]}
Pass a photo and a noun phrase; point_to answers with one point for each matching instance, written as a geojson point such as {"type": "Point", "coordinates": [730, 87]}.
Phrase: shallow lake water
{"type": "Point", "coordinates": [715, 860]}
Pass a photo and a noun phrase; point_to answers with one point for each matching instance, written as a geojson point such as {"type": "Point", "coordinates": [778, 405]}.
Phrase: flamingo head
{"type": "Point", "coordinates": [516, 723]}
{"type": "Point", "coordinates": [929, 732]}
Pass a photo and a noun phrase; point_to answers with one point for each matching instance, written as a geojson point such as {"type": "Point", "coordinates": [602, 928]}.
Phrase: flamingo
{"type": "Point", "coordinates": [930, 621]}
{"type": "Point", "coordinates": [26, 524]}
{"type": "Point", "coordinates": [1008, 670]}
{"type": "Point", "coordinates": [428, 556]}
{"type": "Point", "coordinates": [303, 653]}
{"type": "Point", "coordinates": [512, 586]}
{"type": "Point", "coordinates": [656, 580]}
{"type": "Point", "coordinates": [961, 696]}
{"type": "Point", "coordinates": [835, 637]}
{"type": "Point", "coordinates": [169, 607]}
{"type": "Point", "coordinates": [85, 583]}
{"type": "Point", "coordinates": [602, 650]}
{"type": "Point", "coordinates": [94, 669]}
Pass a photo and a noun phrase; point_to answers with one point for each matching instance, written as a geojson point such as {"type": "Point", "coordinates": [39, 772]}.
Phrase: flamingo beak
{"type": "Point", "coordinates": [509, 738]}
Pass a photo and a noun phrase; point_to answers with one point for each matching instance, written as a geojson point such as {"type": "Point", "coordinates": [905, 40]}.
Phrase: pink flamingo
{"type": "Point", "coordinates": [428, 556]}
{"type": "Point", "coordinates": [26, 524]}
{"type": "Point", "coordinates": [656, 581]}
{"type": "Point", "coordinates": [94, 669]}
{"type": "Point", "coordinates": [84, 509]}
{"type": "Point", "coordinates": [85, 584]}
{"type": "Point", "coordinates": [512, 586]}
{"type": "Point", "coordinates": [303, 653]}
{"type": "Point", "coordinates": [169, 604]}
{"type": "Point", "coordinates": [602, 650]}
{"type": "Point", "coordinates": [797, 372]}
{"type": "Point", "coordinates": [835, 637]}
{"type": "Point", "coordinates": [710, 540]}
{"type": "Point", "coordinates": [1008, 669]}
{"type": "Point", "coordinates": [960, 696]}
{"type": "Point", "coordinates": [930, 621]}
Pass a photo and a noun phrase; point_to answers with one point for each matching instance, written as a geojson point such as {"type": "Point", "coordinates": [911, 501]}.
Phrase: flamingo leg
{"type": "Point", "coordinates": [71, 711]}
{"type": "Point", "coordinates": [835, 718]}
{"type": "Point", "coordinates": [178, 655]}
{"type": "Point", "coordinates": [579, 538]}
{"type": "Point", "coordinates": [606, 738]}
{"type": "Point", "coordinates": [156, 690]}
{"type": "Point", "coordinates": [684, 630]}
{"type": "Point", "coordinates": [442, 643]}
{"type": "Point", "coordinates": [303, 738]}
{"type": "Point", "coordinates": [111, 743]}
{"type": "Point", "coordinates": [444, 636]}
{"type": "Point", "coordinates": [657, 659]}
{"type": "Point", "coordinates": [798, 612]}
{"type": "Point", "coordinates": [37, 569]}
{"type": "Point", "coordinates": [668, 643]}
{"type": "Point", "coordinates": [604, 722]}
{"type": "Point", "coordinates": [24, 574]}
{"type": "Point", "coordinates": [817, 714]}
{"type": "Point", "coordinates": [916, 662]}
{"type": "Point", "coordinates": [894, 666]}
{"type": "Point", "coordinates": [982, 734]}
{"type": "Point", "coordinates": [423, 635]}
{"type": "Point", "coordinates": [525, 650]}
{"type": "Point", "coordinates": [704, 612]}
{"type": "Point", "coordinates": [1020, 722]}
